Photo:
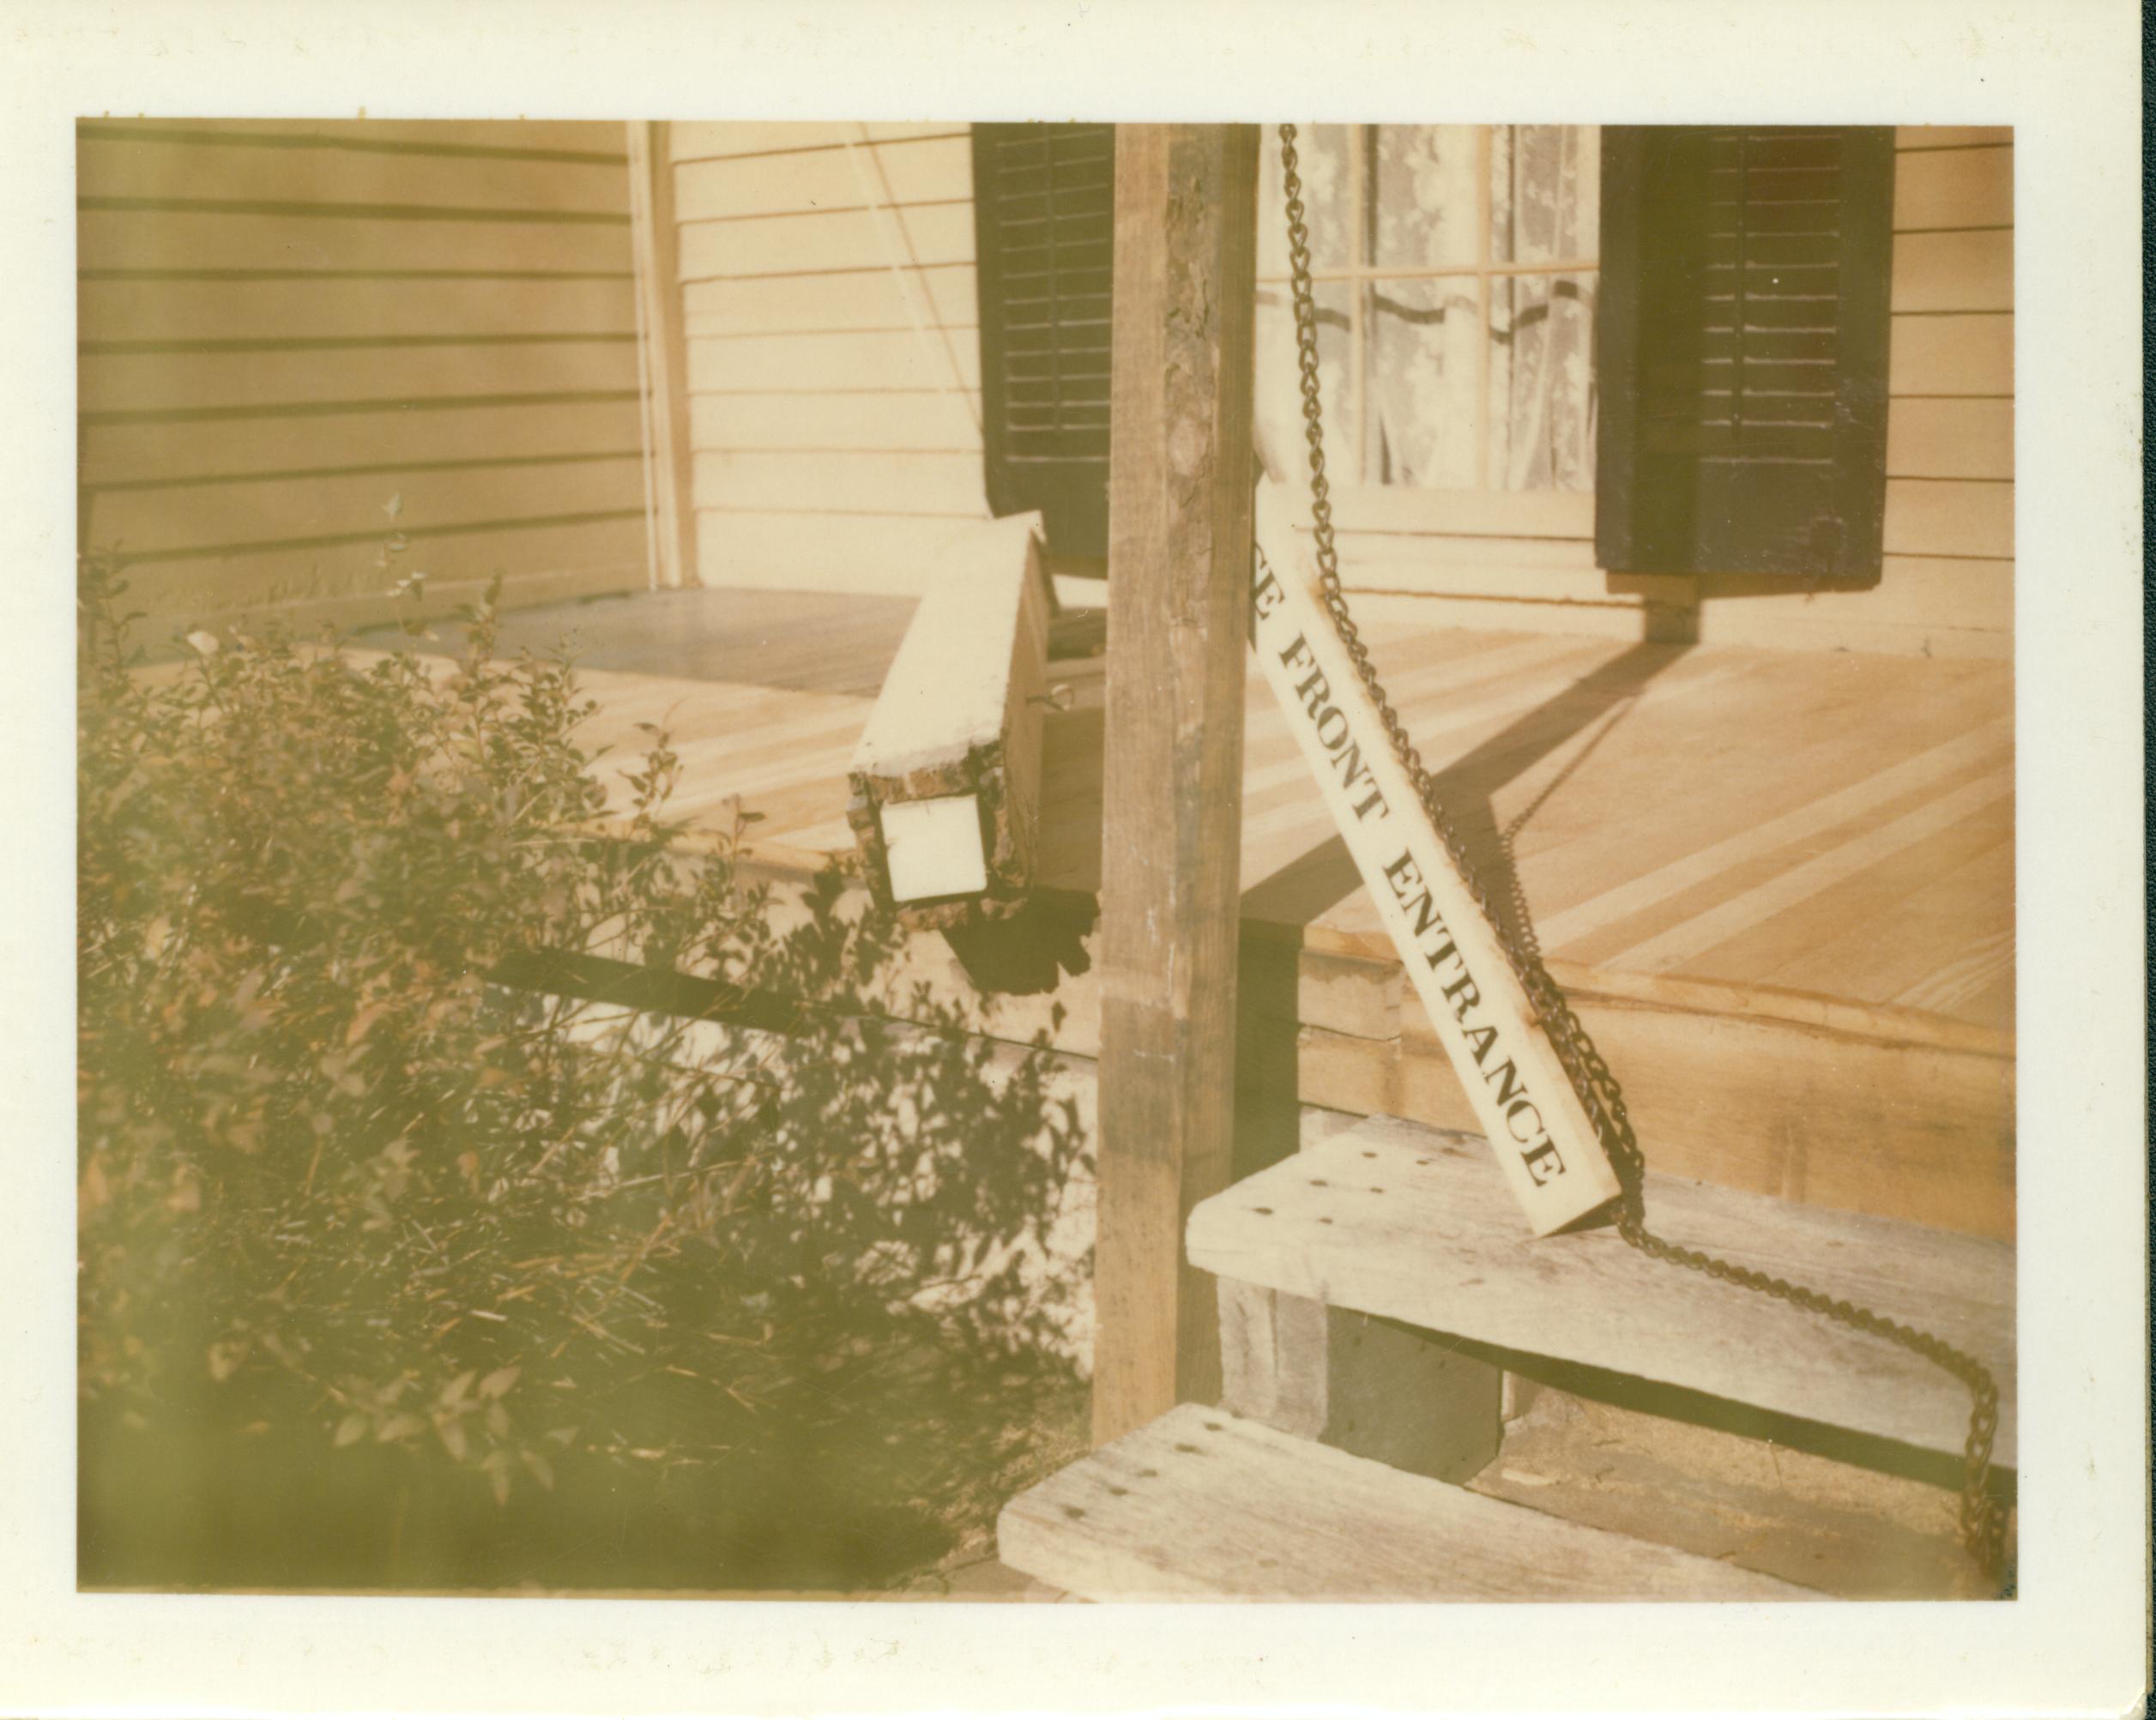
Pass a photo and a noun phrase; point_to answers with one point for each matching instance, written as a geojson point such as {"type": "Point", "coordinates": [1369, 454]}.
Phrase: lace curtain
{"type": "Point", "coordinates": [1476, 377]}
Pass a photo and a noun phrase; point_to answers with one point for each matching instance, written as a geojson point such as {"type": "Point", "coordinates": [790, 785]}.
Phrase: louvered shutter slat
{"type": "Point", "coordinates": [1744, 350]}
{"type": "Point", "coordinates": [1044, 212]}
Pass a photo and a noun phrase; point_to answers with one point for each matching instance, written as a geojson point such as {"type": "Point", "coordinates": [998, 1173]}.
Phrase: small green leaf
{"type": "Point", "coordinates": [353, 1428]}
{"type": "Point", "coordinates": [498, 1381]}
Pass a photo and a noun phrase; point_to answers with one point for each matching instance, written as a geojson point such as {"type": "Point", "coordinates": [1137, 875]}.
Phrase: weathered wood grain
{"type": "Point", "coordinates": [1367, 1386]}
{"type": "Point", "coordinates": [1179, 558]}
{"type": "Point", "coordinates": [1391, 1219]}
{"type": "Point", "coordinates": [1204, 1504]}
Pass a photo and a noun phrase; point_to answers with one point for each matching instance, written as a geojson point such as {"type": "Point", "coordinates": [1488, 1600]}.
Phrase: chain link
{"type": "Point", "coordinates": [1983, 1515]}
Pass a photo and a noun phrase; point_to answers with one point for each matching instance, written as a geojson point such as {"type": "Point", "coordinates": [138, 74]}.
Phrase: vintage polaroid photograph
{"type": "Point", "coordinates": [1010, 866]}
{"type": "Point", "coordinates": [608, 957]}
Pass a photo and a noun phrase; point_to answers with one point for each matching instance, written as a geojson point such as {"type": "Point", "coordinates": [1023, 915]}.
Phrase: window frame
{"type": "Point", "coordinates": [1482, 510]}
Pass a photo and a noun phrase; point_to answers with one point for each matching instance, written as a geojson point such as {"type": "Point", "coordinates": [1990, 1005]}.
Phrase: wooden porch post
{"type": "Point", "coordinates": [1179, 583]}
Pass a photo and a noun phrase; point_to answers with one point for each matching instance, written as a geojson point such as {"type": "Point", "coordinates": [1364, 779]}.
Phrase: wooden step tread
{"type": "Point", "coordinates": [1204, 1504]}
{"type": "Point", "coordinates": [1416, 1224]}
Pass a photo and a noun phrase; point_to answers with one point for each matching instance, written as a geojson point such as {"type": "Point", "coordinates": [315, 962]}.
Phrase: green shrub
{"type": "Point", "coordinates": [351, 1207]}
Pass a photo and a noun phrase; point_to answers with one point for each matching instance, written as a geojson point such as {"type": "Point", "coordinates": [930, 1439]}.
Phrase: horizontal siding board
{"type": "Point", "coordinates": [791, 244]}
{"type": "Point", "coordinates": [704, 139]}
{"type": "Point", "coordinates": [1461, 566]}
{"type": "Point", "coordinates": [193, 517]}
{"type": "Point", "coordinates": [883, 554]}
{"type": "Point", "coordinates": [927, 484]}
{"type": "Point", "coordinates": [1956, 271]}
{"type": "Point", "coordinates": [1519, 513]}
{"type": "Point", "coordinates": [1948, 517]}
{"type": "Point", "coordinates": [1969, 355]}
{"type": "Point", "coordinates": [943, 421]}
{"type": "Point", "coordinates": [946, 294]}
{"type": "Point", "coordinates": [1950, 438]}
{"type": "Point", "coordinates": [834, 363]}
{"type": "Point", "coordinates": [1912, 138]}
{"type": "Point", "coordinates": [153, 239]}
{"type": "Point", "coordinates": [215, 584]}
{"type": "Point", "coordinates": [931, 170]}
{"type": "Point", "coordinates": [334, 310]}
{"type": "Point", "coordinates": [1953, 188]}
{"type": "Point", "coordinates": [176, 382]}
{"type": "Point", "coordinates": [133, 453]}
{"type": "Point", "coordinates": [306, 173]}
{"type": "Point", "coordinates": [549, 137]}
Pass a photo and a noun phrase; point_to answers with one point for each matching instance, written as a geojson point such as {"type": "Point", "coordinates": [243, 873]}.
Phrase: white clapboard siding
{"type": "Point", "coordinates": [156, 160]}
{"type": "Point", "coordinates": [917, 236]}
{"type": "Point", "coordinates": [1950, 438]}
{"type": "Point", "coordinates": [1949, 516]}
{"type": "Point", "coordinates": [700, 139]}
{"type": "Point", "coordinates": [1204, 1504]}
{"type": "Point", "coordinates": [133, 313]}
{"type": "Point", "coordinates": [393, 436]}
{"type": "Point", "coordinates": [1971, 354]}
{"type": "Point", "coordinates": [343, 237]}
{"type": "Point", "coordinates": [1954, 271]}
{"type": "Point", "coordinates": [284, 323]}
{"type": "Point", "coordinates": [834, 350]}
{"type": "Point", "coordinates": [942, 295]}
{"type": "Point", "coordinates": [923, 171]}
{"type": "Point", "coordinates": [849, 483]}
{"type": "Point", "coordinates": [843, 362]}
{"type": "Point", "coordinates": [1909, 139]}
{"type": "Point", "coordinates": [604, 553]}
{"type": "Point", "coordinates": [171, 520]}
{"type": "Point", "coordinates": [210, 382]}
{"type": "Point", "coordinates": [944, 422]}
{"type": "Point", "coordinates": [1953, 188]}
{"type": "Point", "coordinates": [573, 141]}
{"type": "Point", "coordinates": [883, 555]}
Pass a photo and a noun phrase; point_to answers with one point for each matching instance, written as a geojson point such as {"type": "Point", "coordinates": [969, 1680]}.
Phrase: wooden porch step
{"type": "Point", "coordinates": [1416, 1224]}
{"type": "Point", "coordinates": [1204, 1504]}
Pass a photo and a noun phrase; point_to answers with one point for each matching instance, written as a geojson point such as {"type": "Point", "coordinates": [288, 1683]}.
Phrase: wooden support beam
{"type": "Point", "coordinates": [663, 354]}
{"type": "Point", "coordinates": [1408, 1399]}
{"type": "Point", "coordinates": [945, 782]}
{"type": "Point", "coordinates": [1179, 583]}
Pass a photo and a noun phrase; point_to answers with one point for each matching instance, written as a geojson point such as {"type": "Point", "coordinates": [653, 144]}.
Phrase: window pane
{"type": "Point", "coordinates": [1424, 382]}
{"type": "Point", "coordinates": [1279, 390]}
{"type": "Point", "coordinates": [1545, 192]}
{"type": "Point", "coordinates": [1422, 206]}
{"type": "Point", "coordinates": [1322, 152]}
{"type": "Point", "coordinates": [1542, 417]}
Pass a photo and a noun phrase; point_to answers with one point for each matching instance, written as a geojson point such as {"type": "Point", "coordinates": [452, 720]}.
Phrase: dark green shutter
{"type": "Point", "coordinates": [1742, 349]}
{"type": "Point", "coordinates": [1044, 223]}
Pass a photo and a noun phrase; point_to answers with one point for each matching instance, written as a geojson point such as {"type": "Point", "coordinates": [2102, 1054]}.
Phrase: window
{"type": "Point", "coordinates": [1744, 349]}
{"type": "Point", "coordinates": [1670, 340]}
{"type": "Point", "coordinates": [1457, 268]}
{"type": "Point", "coordinates": [1044, 223]}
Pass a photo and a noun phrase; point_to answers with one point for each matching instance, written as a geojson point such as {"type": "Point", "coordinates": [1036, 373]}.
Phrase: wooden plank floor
{"type": "Point", "coordinates": [1690, 821]}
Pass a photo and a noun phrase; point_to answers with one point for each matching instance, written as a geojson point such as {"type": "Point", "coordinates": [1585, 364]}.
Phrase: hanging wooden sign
{"type": "Point", "coordinates": [1543, 1137]}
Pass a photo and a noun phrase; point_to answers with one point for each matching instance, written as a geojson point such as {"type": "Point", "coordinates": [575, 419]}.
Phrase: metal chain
{"type": "Point", "coordinates": [1983, 1516]}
